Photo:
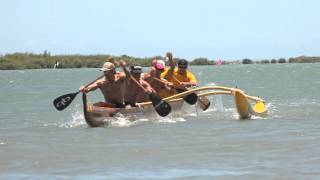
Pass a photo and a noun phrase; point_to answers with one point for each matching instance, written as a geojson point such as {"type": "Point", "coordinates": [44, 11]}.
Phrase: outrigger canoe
{"type": "Point", "coordinates": [97, 116]}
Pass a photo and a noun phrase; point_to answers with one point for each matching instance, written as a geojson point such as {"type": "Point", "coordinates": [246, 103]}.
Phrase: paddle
{"type": "Point", "coordinates": [61, 102]}
{"type": "Point", "coordinates": [204, 103]}
{"type": "Point", "coordinates": [190, 98]}
{"type": "Point", "coordinates": [162, 107]}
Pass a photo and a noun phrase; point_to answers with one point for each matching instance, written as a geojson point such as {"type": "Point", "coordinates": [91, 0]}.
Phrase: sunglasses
{"type": "Point", "coordinates": [182, 67]}
{"type": "Point", "coordinates": [109, 72]}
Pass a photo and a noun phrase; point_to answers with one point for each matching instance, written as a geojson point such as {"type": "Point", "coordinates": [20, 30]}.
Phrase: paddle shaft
{"type": "Point", "coordinates": [162, 107]}
{"type": "Point", "coordinates": [138, 83]}
{"type": "Point", "coordinates": [174, 78]}
{"type": "Point", "coordinates": [200, 101]}
{"type": "Point", "coordinates": [93, 81]}
{"type": "Point", "coordinates": [128, 73]}
{"type": "Point", "coordinates": [161, 81]}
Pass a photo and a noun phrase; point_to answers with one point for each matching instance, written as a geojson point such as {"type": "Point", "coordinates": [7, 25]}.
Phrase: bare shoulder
{"type": "Point", "coordinates": [145, 76]}
{"type": "Point", "coordinates": [101, 81]}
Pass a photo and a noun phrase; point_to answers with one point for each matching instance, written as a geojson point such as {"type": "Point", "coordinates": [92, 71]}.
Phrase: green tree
{"type": "Point", "coordinates": [247, 61]}
{"type": "Point", "coordinates": [282, 60]}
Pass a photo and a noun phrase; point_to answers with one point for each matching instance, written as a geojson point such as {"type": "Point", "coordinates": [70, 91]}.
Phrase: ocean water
{"type": "Point", "coordinates": [38, 142]}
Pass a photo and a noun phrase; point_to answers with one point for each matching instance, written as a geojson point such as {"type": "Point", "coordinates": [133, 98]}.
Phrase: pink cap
{"type": "Point", "coordinates": [158, 64]}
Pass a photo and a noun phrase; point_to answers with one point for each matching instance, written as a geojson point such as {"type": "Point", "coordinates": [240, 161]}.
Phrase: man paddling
{"type": "Point", "coordinates": [184, 79]}
{"type": "Point", "coordinates": [159, 84]}
{"type": "Point", "coordinates": [134, 94]}
{"type": "Point", "coordinates": [180, 77]}
{"type": "Point", "coordinates": [112, 86]}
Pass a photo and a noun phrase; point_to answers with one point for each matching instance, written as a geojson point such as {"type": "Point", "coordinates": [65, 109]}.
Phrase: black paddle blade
{"type": "Point", "coordinates": [191, 98]}
{"type": "Point", "coordinates": [60, 103]}
{"type": "Point", "coordinates": [204, 103]}
{"type": "Point", "coordinates": [162, 107]}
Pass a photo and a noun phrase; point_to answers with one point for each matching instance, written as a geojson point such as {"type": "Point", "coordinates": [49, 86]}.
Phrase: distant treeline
{"type": "Point", "coordinates": [300, 59]}
{"type": "Point", "coordinates": [45, 60]}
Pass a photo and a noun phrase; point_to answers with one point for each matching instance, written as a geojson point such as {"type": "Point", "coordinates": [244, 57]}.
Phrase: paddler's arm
{"type": "Point", "coordinates": [121, 75]}
{"type": "Point", "coordinates": [172, 65]}
{"type": "Point", "coordinates": [192, 80]}
{"type": "Point", "coordinates": [147, 86]}
{"type": "Point", "coordinates": [111, 59]}
{"type": "Point", "coordinates": [171, 62]}
{"type": "Point", "coordinates": [91, 87]}
{"type": "Point", "coordinates": [122, 63]}
{"type": "Point", "coordinates": [188, 84]}
{"type": "Point", "coordinates": [166, 84]}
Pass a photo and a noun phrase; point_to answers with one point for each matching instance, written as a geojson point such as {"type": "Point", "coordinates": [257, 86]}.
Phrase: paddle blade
{"type": "Point", "coordinates": [60, 103]}
{"type": "Point", "coordinates": [191, 98]}
{"type": "Point", "coordinates": [162, 107]}
{"type": "Point", "coordinates": [203, 103]}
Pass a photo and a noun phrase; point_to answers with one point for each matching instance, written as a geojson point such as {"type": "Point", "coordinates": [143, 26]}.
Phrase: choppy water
{"type": "Point", "coordinates": [38, 142]}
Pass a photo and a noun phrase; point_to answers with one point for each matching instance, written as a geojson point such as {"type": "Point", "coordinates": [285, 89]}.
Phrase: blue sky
{"type": "Point", "coordinates": [216, 29]}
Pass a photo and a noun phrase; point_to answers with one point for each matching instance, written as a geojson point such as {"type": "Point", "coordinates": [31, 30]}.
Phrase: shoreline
{"type": "Point", "coordinates": [19, 61]}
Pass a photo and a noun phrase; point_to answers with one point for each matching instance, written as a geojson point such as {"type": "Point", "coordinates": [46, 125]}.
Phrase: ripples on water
{"type": "Point", "coordinates": [37, 142]}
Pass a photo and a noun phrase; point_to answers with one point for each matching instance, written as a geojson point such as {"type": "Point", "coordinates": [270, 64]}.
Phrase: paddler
{"type": "Point", "coordinates": [112, 86]}
{"type": "Point", "coordinates": [134, 94]}
{"type": "Point", "coordinates": [181, 77]}
{"type": "Point", "coordinates": [159, 84]}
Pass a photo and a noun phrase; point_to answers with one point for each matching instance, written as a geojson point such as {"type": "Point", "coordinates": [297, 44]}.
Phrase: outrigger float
{"type": "Point", "coordinates": [96, 116]}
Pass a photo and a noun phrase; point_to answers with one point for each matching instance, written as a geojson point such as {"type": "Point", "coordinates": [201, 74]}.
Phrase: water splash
{"type": "Point", "coordinates": [175, 173]}
{"type": "Point", "coordinates": [217, 102]}
{"type": "Point", "coordinates": [171, 120]}
{"type": "Point", "coordinates": [77, 119]}
{"type": "Point", "coordinates": [126, 121]}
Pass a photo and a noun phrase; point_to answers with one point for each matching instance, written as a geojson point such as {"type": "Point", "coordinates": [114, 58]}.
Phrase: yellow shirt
{"type": "Point", "coordinates": [187, 77]}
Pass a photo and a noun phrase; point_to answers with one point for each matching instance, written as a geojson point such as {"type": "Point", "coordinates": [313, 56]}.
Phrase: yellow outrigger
{"type": "Point", "coordinates": [242, 103]}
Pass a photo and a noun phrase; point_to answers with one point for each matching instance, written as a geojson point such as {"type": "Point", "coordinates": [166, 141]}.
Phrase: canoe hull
{"type": "Point", "coordinates": [96, 116]}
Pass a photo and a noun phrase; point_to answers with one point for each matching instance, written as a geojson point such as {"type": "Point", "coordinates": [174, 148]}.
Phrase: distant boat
{"type": "Point", "coordinates": [56, 65]}
{"type": "Point", "coordinates": [219, 62]}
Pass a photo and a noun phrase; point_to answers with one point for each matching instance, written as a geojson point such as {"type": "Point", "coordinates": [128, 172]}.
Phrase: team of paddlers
{"type": "Point", "coordinates": [125, 89]}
